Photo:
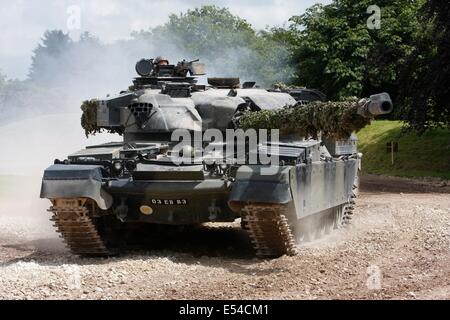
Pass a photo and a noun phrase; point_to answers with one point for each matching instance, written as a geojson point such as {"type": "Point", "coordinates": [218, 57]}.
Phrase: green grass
{"type": "Point", "coordinates": [418, 156]}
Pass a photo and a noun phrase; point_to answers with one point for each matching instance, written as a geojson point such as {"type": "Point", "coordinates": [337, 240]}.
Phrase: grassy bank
{"type": "Point", "coordinates": [418, 156]}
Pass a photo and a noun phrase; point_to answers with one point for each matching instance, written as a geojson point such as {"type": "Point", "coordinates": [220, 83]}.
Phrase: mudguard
{"type": "Point", "coordinates": [322, 186]}
{"type": "Point", "coordinates": [252, 185]}
{"type": "Point", "coordinates": [75, 181]}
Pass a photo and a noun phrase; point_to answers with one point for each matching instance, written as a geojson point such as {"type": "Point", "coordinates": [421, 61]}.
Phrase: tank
{"type": "Point", "coordinates": [167, 170]}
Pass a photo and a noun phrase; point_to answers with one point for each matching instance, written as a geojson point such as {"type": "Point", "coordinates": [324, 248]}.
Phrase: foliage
{"type": "Point", "coordinates": [335, 51]}
{"type": "Point", "coordinates": [227, 43]}
{"type": "Point", "coordinates": [55, 44]}
{"type": "Point", "coordinates": [206, 31]}
{"type": "Point", "coordinates": [59, 61]}
{"type": "Point", "coordinates": [426, 79]}
{"type": "Point", "coordinates": [333, 119]}
{"type": "Point", "coordinates": [89, 119]}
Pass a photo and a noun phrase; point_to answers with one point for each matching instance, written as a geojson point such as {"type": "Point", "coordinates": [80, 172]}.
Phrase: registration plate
{"type": "Point", "coordinates": [170, 202]}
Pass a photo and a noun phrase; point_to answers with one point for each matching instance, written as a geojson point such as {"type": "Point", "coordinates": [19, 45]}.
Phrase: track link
{"type": "Point", "coordinates": [269, 230]}
{"type": "Point", "coordinates": [348, 208]}
{"type": "Point", "coordinates": [73, 220]}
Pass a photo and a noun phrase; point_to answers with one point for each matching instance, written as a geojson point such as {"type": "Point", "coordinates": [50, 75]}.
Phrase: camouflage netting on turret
{"type": "Point", "coordinates": [89, 119]}
{"type": "Point", "coordinates": [335, 120]}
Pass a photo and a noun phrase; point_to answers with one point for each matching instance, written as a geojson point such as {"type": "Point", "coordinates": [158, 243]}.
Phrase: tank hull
{"type": "Point", "coordinates": [292, 204]}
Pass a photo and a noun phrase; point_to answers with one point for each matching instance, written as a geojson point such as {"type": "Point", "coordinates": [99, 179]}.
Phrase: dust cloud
{"type": "Point", "coordinates": [28, 148]}
{"type": "Point", "coordinates": [40, 122]}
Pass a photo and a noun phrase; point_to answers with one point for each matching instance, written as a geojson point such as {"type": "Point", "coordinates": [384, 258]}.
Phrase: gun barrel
{"type": "Point", "coordinates": [376, 105]}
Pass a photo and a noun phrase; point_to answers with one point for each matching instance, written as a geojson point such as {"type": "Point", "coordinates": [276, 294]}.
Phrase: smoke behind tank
{"type": "Point", "coordinates": [31, 145]}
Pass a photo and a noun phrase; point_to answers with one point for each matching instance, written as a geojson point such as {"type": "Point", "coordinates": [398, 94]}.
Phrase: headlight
{"type": "Point", "coordinates": [130, 165]}
{"type": "Point", "coordinates": [117, 166]}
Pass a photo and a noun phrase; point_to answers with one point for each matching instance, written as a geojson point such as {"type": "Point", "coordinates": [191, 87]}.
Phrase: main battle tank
{"type": "Point", "coordinates": [152, 178]}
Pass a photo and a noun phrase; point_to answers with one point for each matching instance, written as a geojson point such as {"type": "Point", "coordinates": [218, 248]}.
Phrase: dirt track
{"type": "Point", "coordinates": [397, 247]}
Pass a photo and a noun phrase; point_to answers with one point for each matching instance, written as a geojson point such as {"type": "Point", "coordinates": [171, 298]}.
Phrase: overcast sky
{"type": "Point", "coordinates": [22, 22]}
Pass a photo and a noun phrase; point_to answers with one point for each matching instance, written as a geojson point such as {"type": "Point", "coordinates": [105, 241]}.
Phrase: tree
{"type": "Point", "coordinates": [207, 31]}
{"type": "Point", "coordinates": [47, 56]}
{"type": "Point", "coordinates": [336, 52]}
{"type": "Point", "coordinates": [426, 79]}
{"type": "Point", "coordinates": [227, 43]}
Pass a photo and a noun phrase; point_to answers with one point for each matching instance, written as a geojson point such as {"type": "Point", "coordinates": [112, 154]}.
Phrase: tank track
{"type": "Point", "coordinates": [269, 230]}
{"type": "Point", "coordinates": [271, 234]}
{"type": "Point", "coordinates": [348, 208]}
{"type": "Point", "coordinates": [73, 220]}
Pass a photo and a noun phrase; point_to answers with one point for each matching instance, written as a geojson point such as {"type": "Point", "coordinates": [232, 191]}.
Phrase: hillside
{"type": "Point", "coordinates": [418, 156]}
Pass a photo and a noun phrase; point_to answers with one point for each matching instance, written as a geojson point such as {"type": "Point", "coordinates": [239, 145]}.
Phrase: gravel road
{"type": "Point", "coordinates": [398, 247]}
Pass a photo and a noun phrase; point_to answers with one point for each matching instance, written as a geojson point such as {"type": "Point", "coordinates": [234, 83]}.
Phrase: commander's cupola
{"type": "Point", "coordinates": [158, 72]}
